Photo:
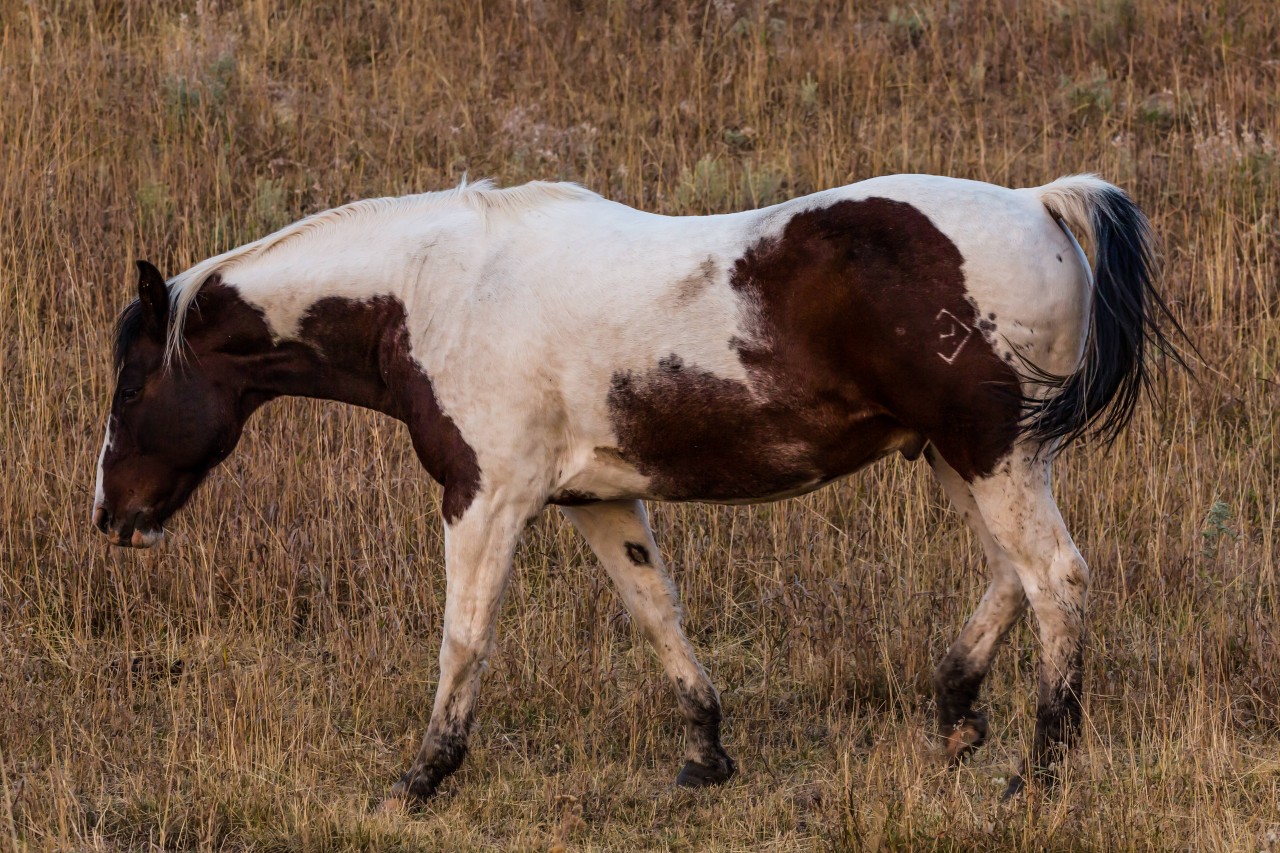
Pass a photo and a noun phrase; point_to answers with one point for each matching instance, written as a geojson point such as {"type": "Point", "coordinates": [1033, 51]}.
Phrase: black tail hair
{"type": "Point", "coordinates": [1099, 398]}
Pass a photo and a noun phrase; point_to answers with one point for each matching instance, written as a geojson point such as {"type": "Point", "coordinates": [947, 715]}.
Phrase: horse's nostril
{"type": "Point", "coordinates": [101, 519]}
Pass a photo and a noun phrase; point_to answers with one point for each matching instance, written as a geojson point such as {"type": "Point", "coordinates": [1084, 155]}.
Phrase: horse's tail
{"type": "Point", "coordinates": [1099, 398]}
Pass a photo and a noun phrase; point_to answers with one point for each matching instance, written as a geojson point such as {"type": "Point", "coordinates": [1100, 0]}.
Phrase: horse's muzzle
{"type": "Point", "coordinates": [137, 530]}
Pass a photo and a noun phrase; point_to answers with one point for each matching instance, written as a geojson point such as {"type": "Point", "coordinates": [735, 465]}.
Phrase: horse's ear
{"type": "Point", "coordinates": [153, 295]}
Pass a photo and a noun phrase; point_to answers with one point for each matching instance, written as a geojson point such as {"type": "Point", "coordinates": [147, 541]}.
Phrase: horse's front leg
{"type": "Point", "coordinates": [478, 552]}
{"type": "Point", "coordinates": [619, 534]}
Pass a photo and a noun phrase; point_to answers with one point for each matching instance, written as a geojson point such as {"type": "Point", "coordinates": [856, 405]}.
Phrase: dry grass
{"type": "Point", "coordinates": [257, 683]}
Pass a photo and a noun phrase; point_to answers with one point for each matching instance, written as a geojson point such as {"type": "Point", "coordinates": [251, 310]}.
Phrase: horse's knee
{"type": "Point", "coordinates": [464, 650]}
{"type": "Point", "coordinates": [1070, 573]}
{"type": "Point", "coordinates": [1058, 598]}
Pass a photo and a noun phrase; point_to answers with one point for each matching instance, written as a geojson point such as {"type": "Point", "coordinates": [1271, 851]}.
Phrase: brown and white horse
{"type": "Point", "coordinates": [547, 346]}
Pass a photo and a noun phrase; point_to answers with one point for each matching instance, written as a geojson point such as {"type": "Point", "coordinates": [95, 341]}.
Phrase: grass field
{"type": "Point", "coordinates": [259, 681]}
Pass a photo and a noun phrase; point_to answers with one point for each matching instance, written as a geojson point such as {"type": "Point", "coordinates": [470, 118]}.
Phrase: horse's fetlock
{"type": "Point", "coordinates": [955, 687]}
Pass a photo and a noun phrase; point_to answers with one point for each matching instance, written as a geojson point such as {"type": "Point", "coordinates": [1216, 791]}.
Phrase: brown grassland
{"type": "Point", "coordinates": [259, 681]}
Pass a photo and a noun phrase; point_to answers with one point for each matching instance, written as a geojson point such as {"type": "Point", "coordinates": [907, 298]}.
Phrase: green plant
{"type": "Point", "coordinates": [1215, 529]}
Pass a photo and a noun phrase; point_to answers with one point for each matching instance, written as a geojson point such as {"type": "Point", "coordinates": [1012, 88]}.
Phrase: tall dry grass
{"type": "Point", "coordinates": [257, 682]}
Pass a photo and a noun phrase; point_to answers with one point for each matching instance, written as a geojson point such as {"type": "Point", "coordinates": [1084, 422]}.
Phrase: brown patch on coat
{"type": "Point", "coordinates": [865, 342]}
{"type": "Point", "coordinates": [365, 347]}
{"type": "Point", "coordinates": [689, 288]}
{"type": "Point", "coordinates": [699, 436]}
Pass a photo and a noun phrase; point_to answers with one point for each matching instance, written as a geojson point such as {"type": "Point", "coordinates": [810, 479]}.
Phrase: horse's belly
{"type": "Point", "coordinates": [718, 449]}
{"type": "Point", "coordinates": [732, 468]}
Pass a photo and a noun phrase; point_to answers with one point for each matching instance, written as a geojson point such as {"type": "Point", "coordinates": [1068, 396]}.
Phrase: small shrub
{"type": "Point", "coordinates": [1216, 529]}
{"type": "Point", "coordinates": [703, 188]}
{"type": "Point", "coordinates": [1090, 98]}
{"type": "Point", "coordinates": [271, 203]}
{"type": "Point", "coordinates": [907, 26]}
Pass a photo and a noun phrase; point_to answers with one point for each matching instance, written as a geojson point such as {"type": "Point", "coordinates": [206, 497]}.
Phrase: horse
{"type": "Point", "coordinates": [547, 346]}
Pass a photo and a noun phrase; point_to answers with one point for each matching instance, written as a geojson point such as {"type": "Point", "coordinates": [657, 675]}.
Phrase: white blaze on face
{"type": "Point", "coordinates": [98, 495]}
{"type": "Point", "coordinates": [140, 538]}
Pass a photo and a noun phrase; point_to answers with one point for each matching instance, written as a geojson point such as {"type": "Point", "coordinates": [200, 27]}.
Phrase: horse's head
{"type": "Point", "coordinates": [169, 424]}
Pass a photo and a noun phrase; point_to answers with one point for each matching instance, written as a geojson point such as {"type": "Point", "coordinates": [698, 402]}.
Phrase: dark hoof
{"type": "Point", "coordinates": [695, 774]}
{"type": "Point", "coordinates": [414, 788]}
{"type": "Point", "coordinates": [1041, 778]}
{"type": "Point", "coordinates": [964, 738]}
{"type": "Point", "coordinates": [1016, 786]}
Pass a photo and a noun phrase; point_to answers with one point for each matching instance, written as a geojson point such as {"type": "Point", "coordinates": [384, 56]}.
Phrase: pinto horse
{"type": "Point", "coordinates": [546, 346]}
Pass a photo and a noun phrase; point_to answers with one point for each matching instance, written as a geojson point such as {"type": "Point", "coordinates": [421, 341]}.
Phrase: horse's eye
{"type": "Point", "coordinates": [129, 394]}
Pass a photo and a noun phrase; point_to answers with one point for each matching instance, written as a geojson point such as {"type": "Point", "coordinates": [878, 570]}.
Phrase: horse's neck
{"type": "Point", "coordinates": [338, 319]}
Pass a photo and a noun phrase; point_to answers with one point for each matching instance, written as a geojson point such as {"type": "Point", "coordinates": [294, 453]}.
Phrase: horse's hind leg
{"type": "Point", "coordinates": [619, 534]}
{"type": "Point", "coordinates": [1017, 506]}
{"type": "Point", "coordinates": [960, 674]}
